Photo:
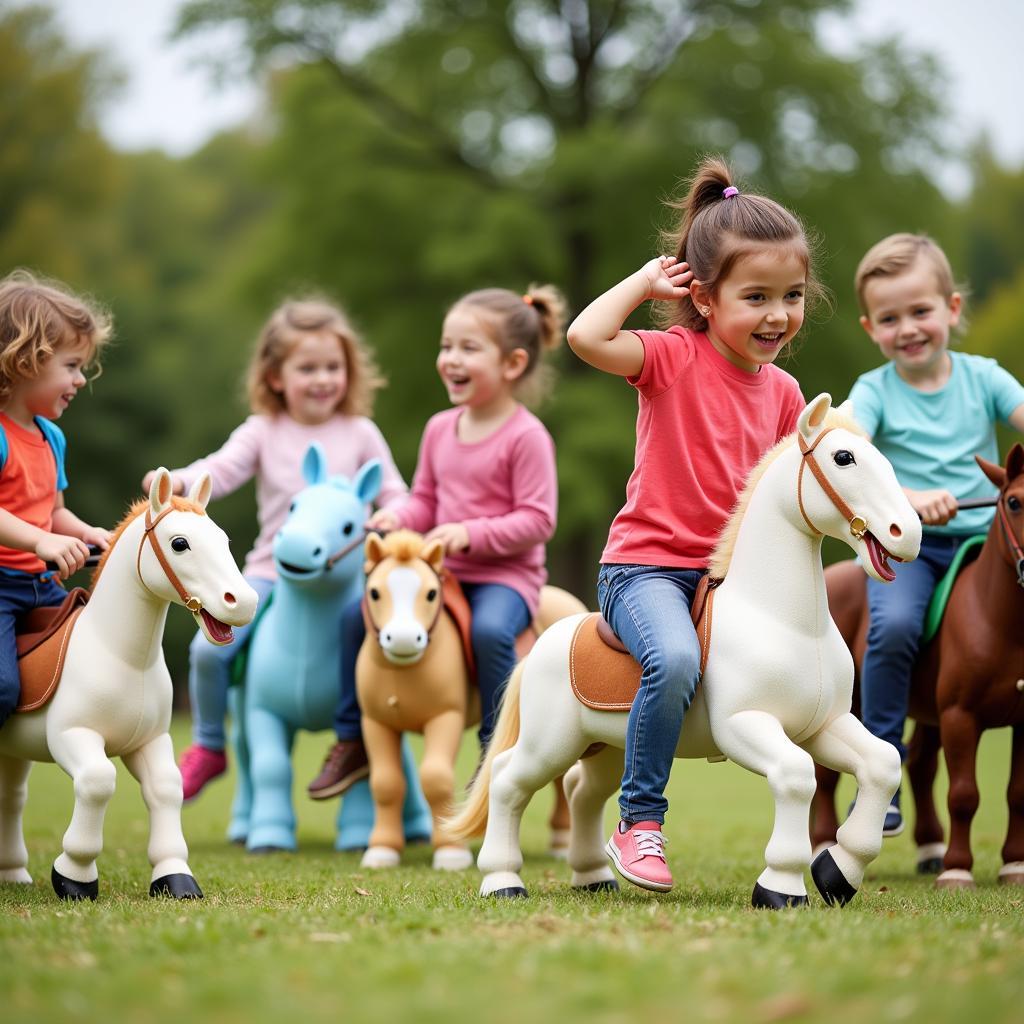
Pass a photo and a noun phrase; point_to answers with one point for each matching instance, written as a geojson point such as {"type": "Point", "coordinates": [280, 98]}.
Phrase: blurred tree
{"type": "Point", "coordinates": [425, 148]}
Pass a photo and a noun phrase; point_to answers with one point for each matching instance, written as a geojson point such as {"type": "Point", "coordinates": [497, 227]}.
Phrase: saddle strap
{"type": "Point", "coordinates": [701, 613]}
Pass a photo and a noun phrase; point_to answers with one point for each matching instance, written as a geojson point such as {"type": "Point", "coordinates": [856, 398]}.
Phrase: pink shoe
{"type": "Point", "coordinates": [200, 765]}
{"type": "Point", "coordinates": [638, 853]}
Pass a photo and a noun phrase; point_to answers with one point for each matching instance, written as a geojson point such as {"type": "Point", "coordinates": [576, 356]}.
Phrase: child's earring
{"type": "Point", "coordinates": [704, 311]}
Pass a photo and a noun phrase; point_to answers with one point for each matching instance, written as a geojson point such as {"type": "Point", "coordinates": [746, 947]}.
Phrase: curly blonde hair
{"type": "Point", "coordinates": [37, 317]}
{"type": "Point", "coordinates": [281, 334]}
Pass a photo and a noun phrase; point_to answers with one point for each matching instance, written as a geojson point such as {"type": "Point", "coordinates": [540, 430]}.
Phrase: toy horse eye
{"type": "Point", "coordinates": [432, 594]}
{"type": "Point", "coordinates": [291, 507]}
{"type": "Point", "coordinates": [374, 594]}
{"type": "Point", "coordinates": [844, 458]}
{"type": "Point", "coordinates": [179, 544]}
{"type": "Point", "coordinates": [1014, 504]}
{"type": "Point", "coordinates": [347, 529]}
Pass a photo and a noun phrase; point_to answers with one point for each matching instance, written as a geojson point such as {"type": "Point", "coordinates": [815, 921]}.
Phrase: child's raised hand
{"type": "Point", "coordinates": [667, 278]}
{"type": "Point", "coordinates": [454, 536]}
{"type": "Point", "coordinates": [177, 484]}
{"type": "Point", "coordinates": [383, 521]}
{"type": "Point", "coordinates": [67, 553]}
{"type": "Point", "coordinates": [935, 508]}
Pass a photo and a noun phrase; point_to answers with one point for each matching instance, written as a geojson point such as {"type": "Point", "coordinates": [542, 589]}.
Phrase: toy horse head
{"type": "Point", "coordinates": [321, 537]}
{"type": "Point", "coordinates": [403, 592]}
{"type": "Point", "coordinates": [1010, 504]}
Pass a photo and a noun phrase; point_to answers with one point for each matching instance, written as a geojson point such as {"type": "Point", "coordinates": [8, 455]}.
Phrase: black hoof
{"type": "Point", "coordinates": [609, 885]}
{"type": "Point", "coordinates": [68, 889]}
{"type": "Point", "coordinates": [767, 899]}
{"type": "Point", "coordinates": [512, 893]}
{"type": "Point", "coordinates": [834, 888]}
{"type": "Point", "coordinates": [931, 866]}
{"type": "Point", "coordinates": [179, 887]}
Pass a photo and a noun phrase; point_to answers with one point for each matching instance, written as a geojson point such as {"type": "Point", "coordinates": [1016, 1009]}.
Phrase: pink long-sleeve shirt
{"type": "Point", "coordinates": [271, 448]}
{"type": "Point", "coordinates": [503, 489]}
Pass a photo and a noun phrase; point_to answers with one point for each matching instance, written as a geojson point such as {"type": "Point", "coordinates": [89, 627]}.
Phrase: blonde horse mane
{"type": "Point", "coordinates": [135, 510]}
{"type": "Point", "coordinates": [721, 557]}
{"type": "Point", "coordinates": [402, 545]}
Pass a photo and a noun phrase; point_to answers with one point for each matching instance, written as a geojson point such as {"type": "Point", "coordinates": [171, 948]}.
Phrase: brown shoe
{"type": "Point", "coordinates": [344, 766]}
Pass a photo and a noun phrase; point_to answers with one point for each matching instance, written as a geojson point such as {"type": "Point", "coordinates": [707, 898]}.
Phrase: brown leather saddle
{"type": "Point", "coordinates": [604, 675]}
{"type": "Point", "coordinates": [42, 643]}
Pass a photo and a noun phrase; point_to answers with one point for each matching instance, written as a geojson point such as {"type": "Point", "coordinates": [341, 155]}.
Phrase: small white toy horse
{"type": "Point", "coordinates": [775, 694]}
{"type": "Point", "coordinates": [115, 692]}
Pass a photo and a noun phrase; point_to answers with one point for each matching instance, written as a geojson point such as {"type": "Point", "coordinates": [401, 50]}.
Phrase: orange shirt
{"type": "Point", "coordinates": [28, 488]}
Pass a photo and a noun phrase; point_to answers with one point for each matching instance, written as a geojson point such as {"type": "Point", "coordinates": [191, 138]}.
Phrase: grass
{"type": "Point", "coordinates": [310, 937]}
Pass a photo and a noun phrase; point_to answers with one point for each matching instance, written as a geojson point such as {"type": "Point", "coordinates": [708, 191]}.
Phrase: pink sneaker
{"type": "Point", "coordinates": [638, 853]}
{"type": "Point", "coordinates": [200, 765]}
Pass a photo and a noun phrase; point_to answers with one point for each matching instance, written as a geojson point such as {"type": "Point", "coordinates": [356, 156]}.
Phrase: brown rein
{"type": "Point", "coordinates": [858, 525]}
{"type": "Point", "coordinates": [193, 604]}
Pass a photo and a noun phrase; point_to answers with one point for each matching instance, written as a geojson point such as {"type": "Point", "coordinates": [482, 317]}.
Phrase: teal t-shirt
{"type": "Point", "coordinates": [931, 437]}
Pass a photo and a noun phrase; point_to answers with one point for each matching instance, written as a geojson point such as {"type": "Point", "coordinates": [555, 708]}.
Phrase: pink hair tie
{"type": "Point", "coordinates": [729, 192]}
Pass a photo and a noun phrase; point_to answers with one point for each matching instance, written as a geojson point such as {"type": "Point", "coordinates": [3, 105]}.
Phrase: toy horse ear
{"type": "Point", "coordinates": [374, 551]}
{"type": "Point", "coordinates": [812, 419]}
{"type": "Point", "coordinates": [368, 481]}
{"type": "Point", "coordinates": [994, 472]}
{"type": "Point", "coordinates": [1015, 462]}
{"type": "Point", "coordinates": [160, 491]}
{"type": "Point", "coordinates": [314, 465]}
{"type": "Point", "coordinates": [201, 490]}
{"type": "Point", "coordinates": [433, 555]}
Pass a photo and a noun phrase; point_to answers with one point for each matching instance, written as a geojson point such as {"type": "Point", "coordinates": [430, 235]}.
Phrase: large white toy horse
{"type": "Point", "coordinates": [775, 694]}
{"type": "Point", "coordinates": [114, 697]}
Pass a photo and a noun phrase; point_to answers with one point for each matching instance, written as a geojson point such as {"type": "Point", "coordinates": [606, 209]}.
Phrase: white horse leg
{"type": "Point", "coordinates": [80, 752]}
{"type": "Point", "coordinates": [588, 784]}
{"type": "Point", "coordinates": [847, 746]}
{"type": "Point", "coordinates": [160, 781]}
{"type": "Point", "coordinates": [757, 741]}
{"type": "Point", "coordinates": [13, 791]}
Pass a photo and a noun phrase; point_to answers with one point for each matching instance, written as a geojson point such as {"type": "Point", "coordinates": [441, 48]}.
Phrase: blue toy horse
{"type": "Point", "coordinates": [294, 658]}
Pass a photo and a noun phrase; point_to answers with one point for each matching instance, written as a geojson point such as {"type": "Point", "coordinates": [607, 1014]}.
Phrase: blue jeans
{"type": "Point", "coordinates": [896, 617]}
{"type": "Point", "coordinates": [19, 594]}
{"type": "Point", "coordinates": [209, 676]}
{"type": "Point", "coordinates": [499, 615]}
{"type": "Point", "coordinates": [648, 606]}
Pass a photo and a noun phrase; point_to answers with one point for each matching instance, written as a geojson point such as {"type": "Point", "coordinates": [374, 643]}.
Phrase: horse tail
{"type": "Point", "coordinates": [471, 818]}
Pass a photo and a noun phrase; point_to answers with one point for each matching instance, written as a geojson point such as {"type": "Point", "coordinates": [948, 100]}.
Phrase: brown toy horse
{"type": "Point", "coordinates": [412, 676]}
{"type": "Point", "coordinates": [968, 678]}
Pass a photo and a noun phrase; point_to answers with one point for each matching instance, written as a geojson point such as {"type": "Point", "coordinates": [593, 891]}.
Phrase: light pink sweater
{"type": "Point", "coordinates": [504, 489]}
{"type": "Point", "coordinates": [271, 448]}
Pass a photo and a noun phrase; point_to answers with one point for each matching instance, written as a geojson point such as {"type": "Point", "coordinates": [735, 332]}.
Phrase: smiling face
{"type": "Point", "coordinates": [61, 378]}
{"type": "Point", "coordinates": [758, 308]}
{"type": "Point", "coordinates": [909, 319]}
{"type": "Point", "coordinates": [473, 368]}
{"type": "Point", "coordinates": [313, 377]}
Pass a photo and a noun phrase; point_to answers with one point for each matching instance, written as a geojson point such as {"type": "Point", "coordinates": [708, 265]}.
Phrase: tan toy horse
{"type": "Point", "coordinates": [412, 676]}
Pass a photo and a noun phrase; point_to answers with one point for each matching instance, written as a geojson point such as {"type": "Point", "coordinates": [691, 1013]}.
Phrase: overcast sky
{"type": "Point", "coordinates": [170, 103]}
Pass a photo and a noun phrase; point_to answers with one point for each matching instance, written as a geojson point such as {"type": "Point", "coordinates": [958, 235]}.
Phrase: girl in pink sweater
{"type": "Point", "coordinates": [311, 378]}
{"type": "Point", "coordinates": [486, 486]}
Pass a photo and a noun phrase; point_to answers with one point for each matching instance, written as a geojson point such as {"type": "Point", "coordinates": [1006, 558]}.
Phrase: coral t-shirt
{"type": "Point", "coordinates": [702, 425]}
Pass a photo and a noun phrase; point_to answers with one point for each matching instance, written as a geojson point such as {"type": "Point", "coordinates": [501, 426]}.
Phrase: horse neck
{"type": "Point", "coordinates": [127, 617]}
{"type": "Point", "coordinates": [776, 563]}
{"type": "Point", "coordinates": [995, 582]}
{"type": "Point", "coordinates": [318, 608]}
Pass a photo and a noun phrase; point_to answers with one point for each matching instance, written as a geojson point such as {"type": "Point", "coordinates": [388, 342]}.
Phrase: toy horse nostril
{"type": "Point", "coordinates": [229, 599]}
{"type": "Point", "coordinates": [421, 640]}
{"type": "Point", "coordinates": [895, 530]}
{"type": "Point", "coordinates": [387, 638]}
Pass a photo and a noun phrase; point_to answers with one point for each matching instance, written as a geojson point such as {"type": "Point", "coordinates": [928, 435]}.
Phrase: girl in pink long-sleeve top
{"type": "Point", "coordinates": [311, 378]}
{"type": "Point", "coordinates": [486, 486]}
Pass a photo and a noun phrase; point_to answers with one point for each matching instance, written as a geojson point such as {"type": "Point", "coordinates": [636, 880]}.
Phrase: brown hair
{"type": "Point", "coordinates": [716, 230]}
{"type": "Point", "coordinates": [895, 255]}
{"type": "Point", "coordinates": [533, 321]}
{"type": "Point", "coordinates": [37, 317]}
{"type": "Point", "coordinates": [282, 332]}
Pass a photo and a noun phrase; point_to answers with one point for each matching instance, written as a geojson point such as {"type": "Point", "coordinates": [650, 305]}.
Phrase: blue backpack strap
{"type": "Point", "coordinates": [3, 448]}
{"type": "Point", "coordinates": [55, 438]}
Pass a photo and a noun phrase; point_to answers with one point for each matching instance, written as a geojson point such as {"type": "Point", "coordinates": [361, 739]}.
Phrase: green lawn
{"type": "Point", "coordinates": [310, 937]}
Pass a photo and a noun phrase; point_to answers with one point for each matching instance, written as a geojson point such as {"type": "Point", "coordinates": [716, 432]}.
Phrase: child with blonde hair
{"type": "Point", "coordinates": [732, 296]}
{"type": "Point", "coordinates": [486, 486]}
{"type": "Point", "coordinates": [311, 378]}
{"type": "Point", "coordinates": [48, 339]}
{"type": "Point", "coordinates": [929, 410]}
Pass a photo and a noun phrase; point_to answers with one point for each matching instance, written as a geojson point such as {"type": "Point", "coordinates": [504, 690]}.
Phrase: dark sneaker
{"type": "Point", "coordinates": [346, 763]}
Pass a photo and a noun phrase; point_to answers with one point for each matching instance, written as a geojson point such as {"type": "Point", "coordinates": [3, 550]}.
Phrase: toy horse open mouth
{"type": "Point", "coordinates": [880, 557]}
{"type": "Point", "coordinates": [295, 570]}
{"type": "Point", "coordinates": [217, 632]}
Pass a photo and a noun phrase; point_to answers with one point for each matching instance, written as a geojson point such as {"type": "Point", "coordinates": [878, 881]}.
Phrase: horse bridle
{"type": "Point", "coordinates": [193, 604]}
{"type": "Point", "coordinates": [858, 525]}
{"type": "Point", "coordinates": [339, 555]}
{"type": "Point", "coordinates": [1016, 552]}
